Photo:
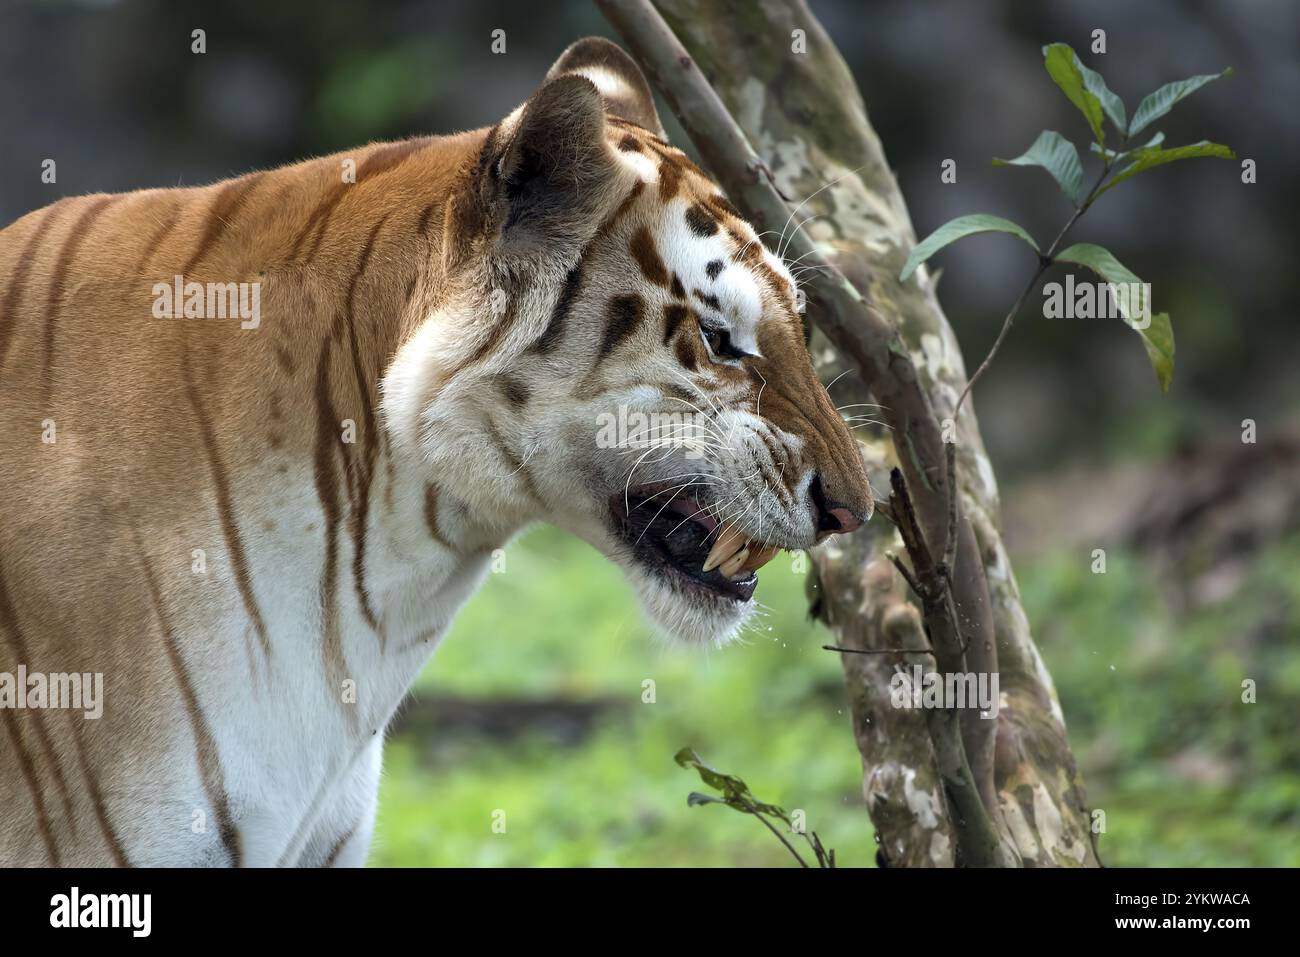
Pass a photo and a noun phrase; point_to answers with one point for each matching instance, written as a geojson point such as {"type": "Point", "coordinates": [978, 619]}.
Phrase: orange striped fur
{"type": "Point", "coordinates": [257, 534]}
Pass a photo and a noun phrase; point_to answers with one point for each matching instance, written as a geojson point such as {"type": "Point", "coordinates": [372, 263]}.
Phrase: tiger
{"type": "Point", "coordinates": [255, 524]}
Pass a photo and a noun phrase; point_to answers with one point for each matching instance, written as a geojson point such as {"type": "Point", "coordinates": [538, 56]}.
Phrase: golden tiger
{"type": "Point", "coordinates": [262, 438]}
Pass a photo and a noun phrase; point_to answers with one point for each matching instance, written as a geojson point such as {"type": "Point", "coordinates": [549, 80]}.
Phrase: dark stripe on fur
{"type": "Point", "coordinates": [647, 257]}
{"type": "Point", "coordinates": [431, 517]}
{"type": "Point", "coordinates": [516, 392]}
{"type": "Point", "coordinates": [33, 786]}
{"type": "Point", "coordinates": [554, 330]}
{"type": "Point", "coordinates": [670, 178]}
{"type": "Point", "coordinates": [58, 285]}
{"type": "Point", "coordinates": [422, 226]}
{"type": "Point", "coordinates": [224, 208]}
{"type": "Point", "coordinates": [370, 449]}
{"type": "Point", "coordinates": [226, 512]}
{"type": "Point", "coordinates": [708, 299]}
{"type": "Point", "coordinates": [97, 801]}
{"type": "Point", "coordinates": [674, 316]}
{"type": "Point", "coordinates": [701, 220]}
{"type": "Point", "coordinates": [517, 467]}
{"type": "Point", "coordinates": [9, 626]}
{"type": "Point", "coordinates": [679, 160]}
{"type": "Point", "coordinates": [155, 240]}
{"type": "Point", "coordinates": [686, 352]}
{"type": "Point", "coordinates": [721, 205]}
{"type": "Point", "coordinates": [327, 490]}
{"type": "Point", "coordinates": [333, 855]}
{"type": "Point", "coordinates": [497, 334]}
{"type": "Point", "coordinates": [208, 757]}
{"type": "Point", "coordinates": [17, 284]}
{"type": "Point", "coordinates": [382, 160]}
{"type": "Point", "coordinates": [623, 207]}
{"type": "Point", "coordinates": [624, 316]}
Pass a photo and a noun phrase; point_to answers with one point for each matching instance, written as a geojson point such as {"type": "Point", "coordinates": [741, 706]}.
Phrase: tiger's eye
{"type": "Point", "coordinates": [719, 343]}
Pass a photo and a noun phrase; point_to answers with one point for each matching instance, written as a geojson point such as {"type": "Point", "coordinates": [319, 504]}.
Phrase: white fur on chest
{"type": "Point", "coordinates": [299, 742]}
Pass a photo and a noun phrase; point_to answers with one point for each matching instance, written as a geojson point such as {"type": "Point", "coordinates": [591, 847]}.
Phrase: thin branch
{"type": "Point", "coordinates": [780, 837]}
{"type": "Point", "coordinates": [907, 575]}
{"type": "Point", "coordinates": [909, 529]}
{"type": "Point", "coordinates": [950, 540]}
{"type": "Point", "coordinates": [1044, 263]}
{"type": "Point", "coordinates": [886, 511]}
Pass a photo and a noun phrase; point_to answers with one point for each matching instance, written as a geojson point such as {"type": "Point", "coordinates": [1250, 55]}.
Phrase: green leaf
{"type": "Point", "coordinates": [1157, 332]}
{"type": "Point", "coordinates": [1054, 153]}
{"type": "Point", "coordinates": [1110, 154]}
{"type": "Point", "coordinates": [1115, 156]}
{"type": "Point", "coordinates": [695, 799]}
{"type": "Point", "coordinates": [1159, 341]}
{"type": "Point", "coordinates": [1147, 157]}
{"type": "Point", "coordinates": [728, 785]}
{"type": "Point", "coordinates": [956, 229]}
{"type": "Point", "coordinates": [1064, 68]}
{"type": "Point", "coordinates": [1157, 104]}
{"type": "Point", "coordinates": [1110, 102]}
{"type": "Point", "coordinates": [735, 792]}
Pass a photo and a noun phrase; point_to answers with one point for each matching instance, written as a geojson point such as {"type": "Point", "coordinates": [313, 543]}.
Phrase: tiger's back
{"type": "Point", "coordinates": [152, 464]}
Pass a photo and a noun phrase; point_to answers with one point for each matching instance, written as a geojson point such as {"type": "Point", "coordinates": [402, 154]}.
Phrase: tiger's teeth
{"type": "Point", "coordinates": [733, 565]}
{"type": "Point", "coordinates": [759, 555]}
{"type": "Point", "coordinates": [729, 540]}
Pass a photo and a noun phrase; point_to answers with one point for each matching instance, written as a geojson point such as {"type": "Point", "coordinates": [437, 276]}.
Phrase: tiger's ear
{"type": "Point", "coordinates": [548, 170]}
{"type": "Point", "coordinates": [621, 84]}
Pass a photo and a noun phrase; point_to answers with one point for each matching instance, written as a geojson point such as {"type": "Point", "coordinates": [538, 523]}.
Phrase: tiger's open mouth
{"type": "Point", "coordinates": [672, 533]}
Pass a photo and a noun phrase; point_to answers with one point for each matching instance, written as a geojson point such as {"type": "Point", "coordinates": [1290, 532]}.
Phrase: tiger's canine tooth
{"type": "Point", "coordinates": [759, 555]}
{"type": "Point", "coordinates": [734, 563]}
{"type": "Point", "coordinates": [729, 540]}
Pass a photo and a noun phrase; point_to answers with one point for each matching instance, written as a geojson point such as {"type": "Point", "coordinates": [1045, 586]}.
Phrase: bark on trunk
{"type": "Point", "coordinates": [803, 115]}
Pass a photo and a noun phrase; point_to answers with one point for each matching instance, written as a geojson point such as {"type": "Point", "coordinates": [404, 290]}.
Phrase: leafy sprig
{"type": "Point", "coordinates": [736, 795]}
{"type": "Point", "coordinates": [1059, 157]}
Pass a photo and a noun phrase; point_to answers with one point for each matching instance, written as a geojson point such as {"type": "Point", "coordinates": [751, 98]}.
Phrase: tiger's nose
{"type": "Point", "coordinates": [832, 516]}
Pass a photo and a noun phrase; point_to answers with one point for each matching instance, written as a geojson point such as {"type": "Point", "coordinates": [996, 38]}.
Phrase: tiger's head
{"type": "Point", "coordinates": [616, 353]}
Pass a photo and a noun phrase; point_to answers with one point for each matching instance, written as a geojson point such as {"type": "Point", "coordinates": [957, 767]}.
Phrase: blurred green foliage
{"type": "Point", "coordinates": [560, 622]}
{"type": "Point", "coordinates": [1186, 773]}
{"type": "Point", "coordinates": [367, 93]}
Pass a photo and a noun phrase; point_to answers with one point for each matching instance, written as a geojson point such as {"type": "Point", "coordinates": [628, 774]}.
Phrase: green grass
{"type": "Point", "coordinates": [1145, 697]}
{"type": "Point", "coordinates": [560, 622]}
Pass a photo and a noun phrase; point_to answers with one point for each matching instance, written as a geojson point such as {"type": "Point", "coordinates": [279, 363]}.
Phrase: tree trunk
{"type": "Point", "coordinates": [787, 87]}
